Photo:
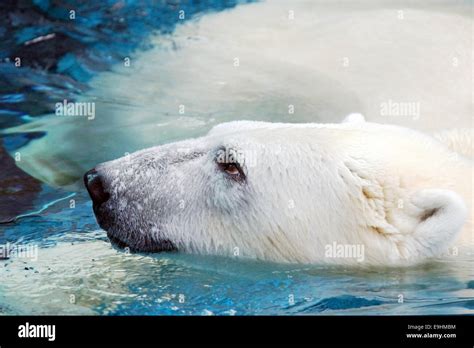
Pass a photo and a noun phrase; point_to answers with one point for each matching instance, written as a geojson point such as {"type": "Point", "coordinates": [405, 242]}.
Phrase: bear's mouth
{"type": "Point", "coordinates": [145, 245]}
{"type": "Point", "coordinates": [116, 241]}
{"type": "Point", "coordinates": [130, 240]}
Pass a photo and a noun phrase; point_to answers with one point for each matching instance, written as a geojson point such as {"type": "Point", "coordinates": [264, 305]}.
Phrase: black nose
{"type": "Point", "coordinates": [95, 187]}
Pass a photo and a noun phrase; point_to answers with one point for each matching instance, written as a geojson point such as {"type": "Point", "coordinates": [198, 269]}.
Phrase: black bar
{"type": "Point", "coordinates": [259, 330]}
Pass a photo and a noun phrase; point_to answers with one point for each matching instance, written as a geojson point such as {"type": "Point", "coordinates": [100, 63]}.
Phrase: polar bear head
{"type": "Point", "coordinates": [278, 192]}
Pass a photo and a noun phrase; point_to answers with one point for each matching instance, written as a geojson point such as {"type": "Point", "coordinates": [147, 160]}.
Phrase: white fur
{"type": "Point", "coordinates": [459, 141]}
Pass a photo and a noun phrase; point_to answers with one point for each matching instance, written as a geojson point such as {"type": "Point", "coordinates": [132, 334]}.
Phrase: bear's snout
{"type": "Point", "coordinates": [95, 187]}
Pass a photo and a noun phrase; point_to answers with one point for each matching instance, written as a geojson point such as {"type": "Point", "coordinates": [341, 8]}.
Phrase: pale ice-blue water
{"type": "Point", "coordinates": [77, 271]}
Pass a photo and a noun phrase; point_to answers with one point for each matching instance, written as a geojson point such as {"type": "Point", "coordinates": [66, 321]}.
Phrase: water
{"type": "Point", "coordinates": [77, 271]}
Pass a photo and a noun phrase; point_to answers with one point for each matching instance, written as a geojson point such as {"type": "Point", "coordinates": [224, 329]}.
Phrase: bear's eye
{"type": "Point", "coordinates": [233, 170]}
{"type": "Point", "coordinates": [227, 161]}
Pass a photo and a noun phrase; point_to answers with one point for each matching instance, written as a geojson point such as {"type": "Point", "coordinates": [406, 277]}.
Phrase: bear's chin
{"type": "Point", "coordinates": [146, 245]}
{"type": "Point", "coordinates": [124, 239]}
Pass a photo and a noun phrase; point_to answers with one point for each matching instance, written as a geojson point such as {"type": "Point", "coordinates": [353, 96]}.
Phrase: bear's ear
{"type": "Point", "coordinates": [354, 118]}
{"type": "Point", "coordinates": [437, 216]}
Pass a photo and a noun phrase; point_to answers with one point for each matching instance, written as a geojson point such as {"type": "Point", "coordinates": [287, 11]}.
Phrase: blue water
{"type": "Point", "coordinates": [78, 271]}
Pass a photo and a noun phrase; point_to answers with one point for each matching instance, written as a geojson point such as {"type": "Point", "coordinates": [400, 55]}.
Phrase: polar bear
{"type": "Point", "coordinates": [289, 192]}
